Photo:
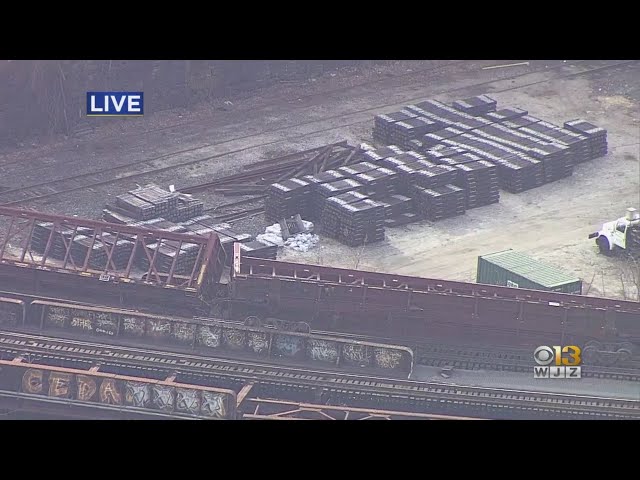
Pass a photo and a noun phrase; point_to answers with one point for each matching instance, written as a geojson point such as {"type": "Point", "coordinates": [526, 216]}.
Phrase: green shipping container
{"type": "Point", "coordinates": [517, 270]}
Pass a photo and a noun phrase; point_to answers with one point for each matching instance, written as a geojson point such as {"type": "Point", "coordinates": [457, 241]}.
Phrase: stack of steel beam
{"type": "Point", "coordinates": [383, 124]}
{"type": "Point", "coordinates": [476, 106]}
{"type": "Point", "coordinates": [136, 207]}
{"type": "Point", "coordinates": [437, 203]}
{"type": "Point", "coordinates": [288, 198]}
{"type": "Point", "coordinates": [597, 136]}
{"type": "Point", "coordinates": [187, 207]}
{"type": "Point", "coordinates": [357, 223]}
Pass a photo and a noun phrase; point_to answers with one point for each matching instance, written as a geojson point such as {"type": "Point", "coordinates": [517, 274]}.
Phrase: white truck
{"type": "Point", "coordinates": [621, 235]}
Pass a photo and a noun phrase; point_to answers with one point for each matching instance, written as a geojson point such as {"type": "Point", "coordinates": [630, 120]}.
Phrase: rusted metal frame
{"type": "Point", "coordinates": [49, 242]}
{"type": "Point", "coordinates": [19, 229]}
{"type": "Point", "coordinates": [132, 257]}
{"type": "Point", "coordinates": [27, 245]}
{"type": "Point", "coordinates": [174, 263]}
{"type": "Point", "coordinates": [110, 252]}
{"type": "Point", "coordinates": [152, 261]}
{"type": "Point", "coordinates": [305, 166]}
{"type": "Point", "coordinates": [242, 394]}
{"type": "Point", "coordinates": [271, 161]}
{"type": "Point", "coordinates": [67, 255]}
{"type": "Point", "coordinates": [324, 161]}
{"type": "Point", "coordinates": [503, 292]}
{"type": "Point", "coordinates": [6, 239]}
{"type": "Point", "coordinates": [105, 226]}
{"type": "Point", "coordinates": [350, 156]}
{"type": "Point", "coordinates": [85, 264]}
{"type": "Point", "coordinates": [371, 412]}
{"type": "Point", "coordinates": [203, 269]}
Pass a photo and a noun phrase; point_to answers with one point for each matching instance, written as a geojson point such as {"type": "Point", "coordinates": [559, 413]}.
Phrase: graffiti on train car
{"type": "Point", "coordinates": [216, 335]}
{"type": "Point", "coordinates": [11, 312]}
{"type": "Point", "coordinates": [115, 390]}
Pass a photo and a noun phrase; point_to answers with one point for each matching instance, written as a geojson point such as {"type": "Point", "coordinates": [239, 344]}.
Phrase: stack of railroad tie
{"type": "Point", "coordinates": [42, 236]}
{"type": "Point", "coordinates": [326, 190]}
{"type": "Point", "coordinates": [398, 210]}
{"type": "Point", "coordinates": [353, 221]}
{"type": "Point", "coordinates": [557, 159]}
{"type": "Point", "coordinates": [314, 211]}
{"type": "Point", "coordinates": [479, 179]}
{"type": "Point", "coordinates": [437, 203]}
{"type": "Point", "coordinates": [597, 137]}
{"type": "Point", "coordinates": [383, 125]}
{"type": "Point", "coordinates": [476, 106]}
{"type": "Point", "coordinates": [204, 225]}
{"type": "Point", "coordinates": [98, 250]}
{"type": "Point", "coordinates": [379, 183]}
{"type": "Point", "coordinates": [527, 151]}
{"type": "Point", "coordinates": [288, 198]}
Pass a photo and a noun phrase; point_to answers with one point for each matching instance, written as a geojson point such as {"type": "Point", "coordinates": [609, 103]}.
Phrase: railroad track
{"type": "Point", "coordinates": [137, 169]}
{"type": "Point", "coordinates": [344, 387]}
{"type": "Point", "coordinates": [499, 358]}
{"type": "Point", "coordinates": [276, 101]}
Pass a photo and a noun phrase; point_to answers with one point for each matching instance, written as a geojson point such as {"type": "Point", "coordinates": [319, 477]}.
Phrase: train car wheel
{"type": "Point", "coordinates": [253, 321]}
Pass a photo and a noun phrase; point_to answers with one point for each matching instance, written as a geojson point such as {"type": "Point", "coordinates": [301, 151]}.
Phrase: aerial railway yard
{"type": "Point", "coordinates": [293, 384]}
{"type": "Point", "coordinates": [432, 321]}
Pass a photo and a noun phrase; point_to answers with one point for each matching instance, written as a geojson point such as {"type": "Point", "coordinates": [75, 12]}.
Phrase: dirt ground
{"type": "Point", "coordinates": [550, 223]}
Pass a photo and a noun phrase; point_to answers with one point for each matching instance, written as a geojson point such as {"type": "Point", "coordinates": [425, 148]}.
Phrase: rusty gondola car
{"type": "Point", "coordinates": [215, 337]}
{"type": "Point", "coordinates": [411, 309]}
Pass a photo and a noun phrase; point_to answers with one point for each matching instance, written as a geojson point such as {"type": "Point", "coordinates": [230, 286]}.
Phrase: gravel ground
{"type": "Point", "coordinates": [550, 222]}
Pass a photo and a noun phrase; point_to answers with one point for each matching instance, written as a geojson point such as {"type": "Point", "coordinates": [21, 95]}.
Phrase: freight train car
{"type": "Point", "coordinates": [212, 337]}
{"type": "Point", "coordinates": [410, 309]}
